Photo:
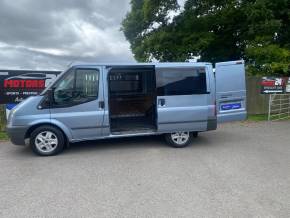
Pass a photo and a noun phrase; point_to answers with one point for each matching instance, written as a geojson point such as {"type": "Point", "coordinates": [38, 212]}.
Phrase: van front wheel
{"type": "Point", "coordinates": [179, 139]}
{"type": "Point", "coordinates": [47, 141]}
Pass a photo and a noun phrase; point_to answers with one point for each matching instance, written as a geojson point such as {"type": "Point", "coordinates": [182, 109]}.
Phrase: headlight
{"type": "Point", "coordinates": [10, 116]}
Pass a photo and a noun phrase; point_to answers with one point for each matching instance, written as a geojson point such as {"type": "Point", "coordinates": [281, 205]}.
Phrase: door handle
{"type": "Point", "coordinates": [226, 96]}
{"type": "Point", "coordinates": [101, 104]}
{"type": "Point", "coordinates": [161, 102]}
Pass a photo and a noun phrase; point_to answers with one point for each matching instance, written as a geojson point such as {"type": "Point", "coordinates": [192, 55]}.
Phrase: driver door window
{"type": "Point", "coordinates": [77, 87]}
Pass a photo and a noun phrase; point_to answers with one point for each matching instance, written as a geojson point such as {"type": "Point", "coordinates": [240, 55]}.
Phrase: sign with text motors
{"type": "Point", "coordinates": [275, 85]}
{"type": "Point", "coordinates": [16, 85]}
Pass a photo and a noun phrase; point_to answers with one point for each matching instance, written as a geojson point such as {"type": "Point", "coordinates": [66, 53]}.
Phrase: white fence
{"type": "Point", "coordinates": [279, 107]}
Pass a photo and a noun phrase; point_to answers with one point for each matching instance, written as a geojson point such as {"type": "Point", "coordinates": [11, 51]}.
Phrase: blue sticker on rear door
{"type": "Point", "coordinates": [233, 106]}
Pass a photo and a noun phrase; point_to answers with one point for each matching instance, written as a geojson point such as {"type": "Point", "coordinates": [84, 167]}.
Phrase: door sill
{"type": "Point", "coordinates": [134, 132]}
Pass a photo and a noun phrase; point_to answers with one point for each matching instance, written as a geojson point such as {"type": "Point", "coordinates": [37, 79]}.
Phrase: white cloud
{"type": "Point", "coordinates": [51, 34]}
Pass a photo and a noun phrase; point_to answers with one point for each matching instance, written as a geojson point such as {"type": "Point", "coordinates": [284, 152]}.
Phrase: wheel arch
{"type": "Point", "coordinates": [64, 130]}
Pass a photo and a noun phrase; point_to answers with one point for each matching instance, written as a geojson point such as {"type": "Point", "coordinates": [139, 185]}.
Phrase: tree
{"type": "Point", "coordinates": [214, 30]}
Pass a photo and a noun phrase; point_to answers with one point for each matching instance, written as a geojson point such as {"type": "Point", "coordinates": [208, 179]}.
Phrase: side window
{"type": "Point", "coordinates": [87, 84]}
{"type": "Point", "coordinates": [180, 81]}
{"type": "Point", "coordinates": [77, 87]}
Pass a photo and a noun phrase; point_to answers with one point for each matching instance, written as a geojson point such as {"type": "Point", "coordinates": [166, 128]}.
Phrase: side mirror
{"type": "Point", "coordinates": [47, 99]}
{"type": "Point", "coordinates": [50, 95]}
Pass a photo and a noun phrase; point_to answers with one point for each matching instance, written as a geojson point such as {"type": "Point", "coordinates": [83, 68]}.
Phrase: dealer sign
{"type": "Point", "coordinates": [274, 85]}
{"type": "Point", "coordinates": [16, 85]}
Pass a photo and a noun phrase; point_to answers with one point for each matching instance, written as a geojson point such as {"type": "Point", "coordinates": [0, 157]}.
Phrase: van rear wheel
{"type": "Point", "coordinates": [47, 141]}
{"type": "Point", "coordinates": [179, 139]}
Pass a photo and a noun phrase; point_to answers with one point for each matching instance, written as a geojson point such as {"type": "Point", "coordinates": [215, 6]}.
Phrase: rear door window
{"type": "Point", "coordinates": [181, 81]}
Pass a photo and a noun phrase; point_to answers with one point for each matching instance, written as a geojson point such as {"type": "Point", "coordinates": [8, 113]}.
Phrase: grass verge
{"type": "Point", "coordinates": [3, 136]}
{"type": "Point", "coordinates": [258, 117]}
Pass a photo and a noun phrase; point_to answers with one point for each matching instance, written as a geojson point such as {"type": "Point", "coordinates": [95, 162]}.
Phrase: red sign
{"type": "Point", "coordinates": [16, 85]}
{"type": "Point", "coordinates": [38, 84]}
{"type": "Point", "coordinates": [271, 85]}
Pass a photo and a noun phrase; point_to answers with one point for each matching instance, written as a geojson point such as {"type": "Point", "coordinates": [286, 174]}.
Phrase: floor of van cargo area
{"type": "Point", "coordinates": [131, 124]}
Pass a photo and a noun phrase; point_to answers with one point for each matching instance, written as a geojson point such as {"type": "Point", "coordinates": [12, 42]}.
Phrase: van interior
{"type": "Point", "coordinates": [132, 99]}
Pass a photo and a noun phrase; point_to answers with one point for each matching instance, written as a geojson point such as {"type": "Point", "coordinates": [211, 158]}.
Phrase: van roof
{"type": "Point", "coordinates": [156, 64]}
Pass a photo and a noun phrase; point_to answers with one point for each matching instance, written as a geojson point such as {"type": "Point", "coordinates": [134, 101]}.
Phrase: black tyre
{"type": "Point", "coordinates": [47, 141]}
{"type": "Point", "coordinates": [179, 139]}
{"type": "Point", "coordinates": [195, 134]}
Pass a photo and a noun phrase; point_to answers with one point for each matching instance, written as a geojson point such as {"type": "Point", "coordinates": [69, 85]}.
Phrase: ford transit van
{"type": "Point", "coordinates": [98, 101]}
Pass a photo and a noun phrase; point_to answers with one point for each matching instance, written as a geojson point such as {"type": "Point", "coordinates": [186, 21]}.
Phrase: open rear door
{"type": "Point", "coordinates": [230, 91]}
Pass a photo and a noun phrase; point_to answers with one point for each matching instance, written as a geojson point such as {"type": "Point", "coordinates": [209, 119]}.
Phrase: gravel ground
{"type": "Point", "coordinates": [240, 170]}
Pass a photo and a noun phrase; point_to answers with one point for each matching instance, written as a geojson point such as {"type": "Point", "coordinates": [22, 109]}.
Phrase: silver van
{"type": "Point", "coordinates": [98, 101]}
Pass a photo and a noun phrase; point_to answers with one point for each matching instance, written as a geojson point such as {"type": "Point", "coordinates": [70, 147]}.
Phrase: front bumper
{"type": "Point", "coordinates": [16, 134]}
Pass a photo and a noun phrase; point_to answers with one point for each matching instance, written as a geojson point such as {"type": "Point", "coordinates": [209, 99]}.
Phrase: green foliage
{"type": "Point", "coordinates": [268, 60]}
{"type": "Point", "coordinates": [2, 118]}
{"type": "Point", "coordinates": [215, 30]}
{"type": "Point", "coordinates": [140, 23]}
{"type": "Point", "coordinates": [3, 136]}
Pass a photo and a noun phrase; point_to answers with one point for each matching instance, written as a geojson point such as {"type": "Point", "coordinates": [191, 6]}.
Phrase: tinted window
{"type": "Point", "coordinates": [181, 81]}
{"type": "Point", "coordinates": [77, 87]}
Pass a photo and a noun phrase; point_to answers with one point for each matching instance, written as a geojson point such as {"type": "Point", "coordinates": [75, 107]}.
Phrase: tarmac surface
{"type": "Point", "coordinates": [239, 170]}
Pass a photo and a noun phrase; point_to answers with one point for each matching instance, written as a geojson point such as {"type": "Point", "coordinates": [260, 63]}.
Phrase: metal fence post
{"type": "Point", "coordinates": [269, 108]}
{"type": "Point", "coordinates": [289, 106]}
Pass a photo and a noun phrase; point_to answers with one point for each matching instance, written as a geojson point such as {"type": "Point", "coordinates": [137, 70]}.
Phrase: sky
{"type": "Point", "coordinates": [40, 34]}
{"type": "Point", "coordinates": [51, 34]}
